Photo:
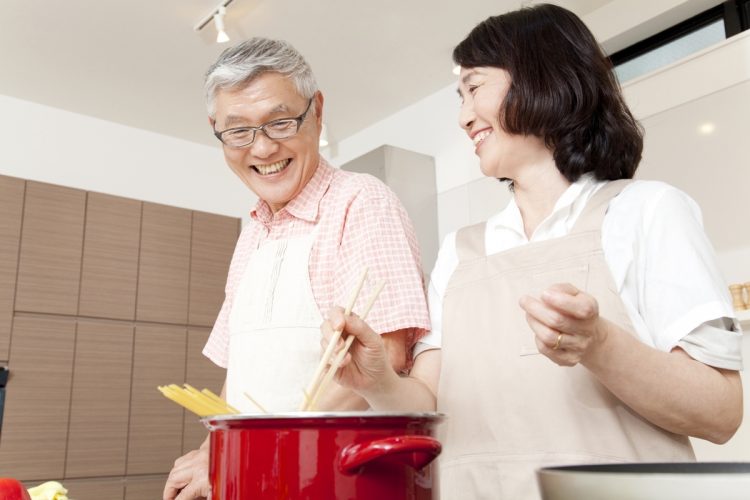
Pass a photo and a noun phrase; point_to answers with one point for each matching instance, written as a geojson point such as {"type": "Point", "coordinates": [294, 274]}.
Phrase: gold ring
{"type": "Point", "coordinates": [557, 344]}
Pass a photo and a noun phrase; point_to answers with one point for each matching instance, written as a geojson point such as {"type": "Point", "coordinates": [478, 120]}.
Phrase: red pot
{"type": "Point", "coordinates": [306, 455]}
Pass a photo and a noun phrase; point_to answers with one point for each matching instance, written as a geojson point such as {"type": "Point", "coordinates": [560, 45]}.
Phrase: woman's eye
{"type": "Point", "coordinates": [472, 89]}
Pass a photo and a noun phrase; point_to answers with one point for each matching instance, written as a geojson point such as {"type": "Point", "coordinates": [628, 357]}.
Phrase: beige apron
{"type": "Point", "coordinates": [510, 409]}
{"type": "Point", "coordinates": [274, 328]}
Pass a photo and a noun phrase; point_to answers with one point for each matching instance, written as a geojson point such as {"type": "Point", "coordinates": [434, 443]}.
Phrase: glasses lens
{"type": "Point", "coordinates": [280, 129]}
{"type": "Point", "coordinates": [238, 137]}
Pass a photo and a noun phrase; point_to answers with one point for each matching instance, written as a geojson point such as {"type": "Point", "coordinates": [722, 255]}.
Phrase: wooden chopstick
{"type": "Point", "coordinates": [312, 388]}
{"type": "Point", "coordinates": [258, 405]}
{"type": "Point", "coordinates": [342, 353]}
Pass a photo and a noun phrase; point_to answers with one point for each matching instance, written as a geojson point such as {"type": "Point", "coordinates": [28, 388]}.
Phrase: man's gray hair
{"type": "Point", "coordinates": [239, 65]}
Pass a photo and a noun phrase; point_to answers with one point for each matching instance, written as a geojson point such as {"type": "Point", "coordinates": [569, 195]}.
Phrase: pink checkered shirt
{"type": "Point", "coordinates": [361, 224]}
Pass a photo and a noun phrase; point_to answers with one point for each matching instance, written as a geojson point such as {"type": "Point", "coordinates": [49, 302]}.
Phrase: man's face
{"type": "Point", "coordinates": [274, 169]}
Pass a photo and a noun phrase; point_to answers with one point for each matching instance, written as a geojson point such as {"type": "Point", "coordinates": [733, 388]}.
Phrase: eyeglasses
{"type": "Point", "coordinates": [241, 137]}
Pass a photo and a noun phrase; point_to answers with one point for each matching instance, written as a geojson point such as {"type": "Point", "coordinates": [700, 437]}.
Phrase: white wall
{"type": "Point", "coordinates": [60, 147]}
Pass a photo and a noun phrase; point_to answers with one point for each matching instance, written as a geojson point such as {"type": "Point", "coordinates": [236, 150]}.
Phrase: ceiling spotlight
{"type": "Point", "coordinates": [221, 35]}
{"type": "Point", "coordinates": [456, 69]}
{"type": "Point", "coordinates": [323, 142]}
{"type": "Point", "coordinates": [707, 128]}
{"type": "Point", "coordinates": [217, 16]}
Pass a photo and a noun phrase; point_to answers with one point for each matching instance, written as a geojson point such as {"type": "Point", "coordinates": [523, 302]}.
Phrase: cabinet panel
{"type": "Point", "coordinates": [213, 240]}
{"type": "Point", "coordinates": [164, 264]}
{"type": "Point", "coordinates": [96, 489]}
{"type": "Point", "coordinates": [144, 488]}
{"type": "Point", "coordinates": [97, 440]}
{"type": "Point", "coordinates": [110, 257]}
{"type": "Point", "coordinates": [49, 268]}
{"type": "Point", "coordinates": [155, 437]}
{"type": "Point", "coordinates": [11, 212]}
{"type": "Point", "coordinates": [201, 373]}
{"type": "Point", "coordinates": [35, 426]}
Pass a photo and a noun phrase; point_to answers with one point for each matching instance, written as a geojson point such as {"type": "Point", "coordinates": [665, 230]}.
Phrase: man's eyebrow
{"type": "Point", "coordinates": [238, 119]}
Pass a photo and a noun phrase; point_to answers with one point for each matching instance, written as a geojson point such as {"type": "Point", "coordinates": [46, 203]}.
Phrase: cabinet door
{"type": "Point", "coordinates": [97, 440]}
{"type": "Point", "coordinates": [11, 210]}
{"type": "Point", "coordinates": [51, 239]}
{"type": "Point", "coordinates": [35, 427]}
{"type": "Point", "coordinates": [202, 373]}
{"type": "Point", "coordinates": [110, 257]}
{"type": "Point", "coordinates": [212, 245]}
{"type": "Point", "coordinates": [155, 437]}
{"type": "Point", "coordinates": [164, 269]}
{"type": "Point", "coordinates": [96, 489]}
{"type": "Point", "coordinates": [145, 488]}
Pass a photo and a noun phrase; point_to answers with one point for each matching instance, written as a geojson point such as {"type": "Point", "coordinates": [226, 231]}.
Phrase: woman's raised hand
{"type": "Point", "coordinates": [566, 324]}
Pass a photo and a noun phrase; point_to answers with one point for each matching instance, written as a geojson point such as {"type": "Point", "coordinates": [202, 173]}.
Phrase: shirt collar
{"type": "Point", "coordinates": [306, 204]}
{"type": "Point", "coordinates": [565, 212]}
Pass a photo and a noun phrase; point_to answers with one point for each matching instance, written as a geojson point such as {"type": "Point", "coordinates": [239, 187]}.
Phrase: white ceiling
{"type": "Point", "coordinates": [140, 63]}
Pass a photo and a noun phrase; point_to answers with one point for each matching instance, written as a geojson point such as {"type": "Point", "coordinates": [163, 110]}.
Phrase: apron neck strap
{"type": "Point", "coordinates": [470, 242]}
{"type": "Point", "coordinates": [593, 214]}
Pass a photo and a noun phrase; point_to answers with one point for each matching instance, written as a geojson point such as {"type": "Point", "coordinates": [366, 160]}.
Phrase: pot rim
{"type": "Point", "coordinates": [305, 415]}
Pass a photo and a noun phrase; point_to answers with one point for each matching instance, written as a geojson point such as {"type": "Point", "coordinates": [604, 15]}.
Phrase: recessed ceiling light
{"type": "Point", "coordinates": [707, 128]}
{"type": "Point", "coordinates": [456, 69]}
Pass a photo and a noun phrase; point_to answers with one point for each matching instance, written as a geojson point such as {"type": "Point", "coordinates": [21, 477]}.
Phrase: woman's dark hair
{"type": "Point", "coordinates": [562, 89]}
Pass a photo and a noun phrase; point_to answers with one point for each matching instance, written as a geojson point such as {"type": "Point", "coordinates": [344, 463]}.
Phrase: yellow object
{"type": "Point", "coordinates": [51, 490]}
{"type": "Point", "coordinates": [202, 403]}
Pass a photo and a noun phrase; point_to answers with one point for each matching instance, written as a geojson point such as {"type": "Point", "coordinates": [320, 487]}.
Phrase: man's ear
{"type": "Point", "coordinates": [318, 98]}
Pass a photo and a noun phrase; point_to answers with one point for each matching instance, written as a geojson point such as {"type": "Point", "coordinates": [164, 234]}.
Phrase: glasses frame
{"type": "Point", "coordinates": [262, 128]}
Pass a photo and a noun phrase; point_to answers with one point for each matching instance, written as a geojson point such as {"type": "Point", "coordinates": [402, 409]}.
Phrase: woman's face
{"type": "Point", "coordinates": [482, 91]}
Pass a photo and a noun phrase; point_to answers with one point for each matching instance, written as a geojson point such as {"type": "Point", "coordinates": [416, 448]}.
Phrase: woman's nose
{"type": "Point", "coordinates": [466, 116]}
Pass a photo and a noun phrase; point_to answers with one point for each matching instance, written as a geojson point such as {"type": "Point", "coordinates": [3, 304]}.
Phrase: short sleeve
{"type": "Point", "coordinates": [217, 346]}
{"type": "Point", "coordinates": [378, 235]}
{"type": "Point", "coordinates": [681, 286]}
{"type": "Point", "coordinates": [445, 265]}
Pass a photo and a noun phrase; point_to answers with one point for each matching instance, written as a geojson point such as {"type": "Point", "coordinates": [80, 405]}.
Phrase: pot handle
{"type": "Point", "coordinates": [414, 451]}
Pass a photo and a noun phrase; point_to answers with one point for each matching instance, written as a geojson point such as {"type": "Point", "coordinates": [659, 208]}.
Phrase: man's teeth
{"type": "Point", "coordinates": [480, 136]}
{"type": "Point", "coordinates": [272, 168]}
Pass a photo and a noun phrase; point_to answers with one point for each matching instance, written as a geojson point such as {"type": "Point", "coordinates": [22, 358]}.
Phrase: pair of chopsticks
{"type": "Point", "coordinates": [202, 403]}
{"type": "Point", "coordinates": [321, 380]}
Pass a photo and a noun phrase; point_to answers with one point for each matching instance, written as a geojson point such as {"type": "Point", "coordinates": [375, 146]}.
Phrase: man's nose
{"type": "Point", "coordinates": [263, 146]}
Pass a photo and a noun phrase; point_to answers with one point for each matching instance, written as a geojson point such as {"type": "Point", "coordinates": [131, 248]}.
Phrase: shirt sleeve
{"type": "Point", "coordinates": [217, 346]}
{"type": "Point", "coordinates": [680, 285]}
{"type": "Point", "coordinates": [445, 265]}
{"type": "Point", "coordinates": [378, 235]}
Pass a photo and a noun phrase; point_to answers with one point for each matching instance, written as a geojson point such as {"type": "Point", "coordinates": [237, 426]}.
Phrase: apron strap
{"type": "Point", "coordinates": [470, 242]}
{"type": "Point", "coordinates": [593, 214]}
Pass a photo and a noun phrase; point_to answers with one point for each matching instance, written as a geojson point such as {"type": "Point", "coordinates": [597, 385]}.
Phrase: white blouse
{"type": "Point", "coordinates": [660, 257]}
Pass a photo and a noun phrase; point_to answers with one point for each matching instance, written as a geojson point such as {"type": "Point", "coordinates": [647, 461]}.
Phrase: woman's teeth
{"type": "Point", "coordinates": [272, 168]}
{"type": "Point", "coordinates": [480, 137]}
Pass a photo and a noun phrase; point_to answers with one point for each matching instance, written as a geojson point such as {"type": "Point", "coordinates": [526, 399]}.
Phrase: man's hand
{"type": "Point", "coordinates": [188, 479]}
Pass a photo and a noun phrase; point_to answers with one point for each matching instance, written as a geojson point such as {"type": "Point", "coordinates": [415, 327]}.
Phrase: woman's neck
{"type": "Point", "coordinates": [536, 190]}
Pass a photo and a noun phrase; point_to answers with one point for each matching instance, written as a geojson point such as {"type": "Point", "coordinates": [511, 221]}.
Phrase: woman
{"type": "Point", "coordinates": [587, 322]}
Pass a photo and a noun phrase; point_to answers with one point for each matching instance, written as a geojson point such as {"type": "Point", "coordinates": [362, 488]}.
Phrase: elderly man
{"type": "Point", "coordinates": [311, 234]}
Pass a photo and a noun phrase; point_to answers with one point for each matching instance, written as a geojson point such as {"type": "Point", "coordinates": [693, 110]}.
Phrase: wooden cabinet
{"type": "Point", "coordinates": [144, 488]}
{"type": "Point", "coordinates": [202, 373]}
{"type": "Point", "coordinates": [49, 268]}
{"type": "Point", "coordinates": [97, 489]}
{"type": "Point", "coordinates": [100, 400]}
{"type": "Point", "coordinates": [213, 240]}
{"type": "Point", "coordinates": [11, 209]}
{"type": "Point", "coordinates": [102, 299]}
{"type": "Point", "coordinates": [164, 269]}
{"type": "Point", "coordinates": [155, 436]}
{"type": "Point", "coordinates": [109, 272]}
{"type": "Point", "coordinates": [35, 426]}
